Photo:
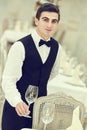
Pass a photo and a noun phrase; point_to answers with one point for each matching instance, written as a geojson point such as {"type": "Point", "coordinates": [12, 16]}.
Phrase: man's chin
{"type": "Point", "coordinates": [48, 35]}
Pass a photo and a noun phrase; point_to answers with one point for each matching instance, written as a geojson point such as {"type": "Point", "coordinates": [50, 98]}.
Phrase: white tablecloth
{"type": "Point", "coordinates": [61, 84]}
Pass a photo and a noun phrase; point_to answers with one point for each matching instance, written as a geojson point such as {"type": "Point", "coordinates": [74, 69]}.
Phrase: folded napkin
{"type": "Point", "coordinates": [76, 124]}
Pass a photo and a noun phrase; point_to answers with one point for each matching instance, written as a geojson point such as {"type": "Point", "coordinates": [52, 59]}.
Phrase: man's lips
{"type": "Point", "coordinates": [49, 30]}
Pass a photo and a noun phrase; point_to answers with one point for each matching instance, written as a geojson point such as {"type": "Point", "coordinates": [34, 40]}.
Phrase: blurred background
{"type": "Point", "coordinates": [16, 20]}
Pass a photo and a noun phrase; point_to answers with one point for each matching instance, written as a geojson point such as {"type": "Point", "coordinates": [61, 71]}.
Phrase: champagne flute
{"type": "Point", "coordinates": [48, 113]}
{"type": "Point", "coordinates": [31, 95]}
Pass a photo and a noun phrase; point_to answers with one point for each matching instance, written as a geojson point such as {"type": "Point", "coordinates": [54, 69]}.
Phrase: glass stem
{"type": "Point", "coordinates": [45, 126]}
{"type": "Point", "coordinates": [28, 105]}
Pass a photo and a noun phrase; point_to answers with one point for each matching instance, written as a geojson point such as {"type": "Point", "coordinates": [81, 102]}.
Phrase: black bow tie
{"type": "Point", "coordinates": [47, 43]}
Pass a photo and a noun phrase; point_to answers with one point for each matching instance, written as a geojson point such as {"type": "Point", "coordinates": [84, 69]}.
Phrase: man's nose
{"type": "Point", "coordinates": [49, 24]}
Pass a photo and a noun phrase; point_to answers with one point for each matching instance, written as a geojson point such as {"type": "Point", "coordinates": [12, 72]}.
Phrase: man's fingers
{"type": "Point", "coordinates": [22, 109]}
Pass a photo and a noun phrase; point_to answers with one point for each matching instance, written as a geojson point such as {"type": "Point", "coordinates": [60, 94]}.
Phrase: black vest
{"type": "Point", "coordinates": [34, 71]}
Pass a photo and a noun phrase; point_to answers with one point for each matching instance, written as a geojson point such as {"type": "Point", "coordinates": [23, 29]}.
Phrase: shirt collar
{"type": "Point", "coordinates": [36, 37]}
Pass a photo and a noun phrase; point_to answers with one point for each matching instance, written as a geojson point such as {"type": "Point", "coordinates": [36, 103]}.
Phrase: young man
{"type": "Point", "coordinates": [30, 62]}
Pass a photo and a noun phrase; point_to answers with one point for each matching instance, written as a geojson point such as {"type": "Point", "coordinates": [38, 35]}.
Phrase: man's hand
{"type": "Point", "coordinates": [22, 109]}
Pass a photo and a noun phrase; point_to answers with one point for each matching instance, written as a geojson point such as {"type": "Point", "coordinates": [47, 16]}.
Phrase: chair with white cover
{"type": "Point", "coordinates": [64, 107]}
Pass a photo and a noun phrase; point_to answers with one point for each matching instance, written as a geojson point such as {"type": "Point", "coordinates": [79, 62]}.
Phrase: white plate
{"type": "Point", "coordinates": [27, 129]}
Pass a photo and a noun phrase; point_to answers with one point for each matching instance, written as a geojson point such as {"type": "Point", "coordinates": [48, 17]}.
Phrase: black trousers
{"type": "Point", "coordinates": [11, 121]}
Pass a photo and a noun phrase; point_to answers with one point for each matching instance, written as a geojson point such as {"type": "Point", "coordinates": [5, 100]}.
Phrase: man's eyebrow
{"type": "Point", "coordinates": [48, 18]}
{"type": "Point", "coordinates": [45, 17]}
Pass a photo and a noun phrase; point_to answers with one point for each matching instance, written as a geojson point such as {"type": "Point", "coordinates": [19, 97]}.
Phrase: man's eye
{"type": "Point", "coordinates": [45, 20]}
{"type": "Point", "coordinates": [54, 21]}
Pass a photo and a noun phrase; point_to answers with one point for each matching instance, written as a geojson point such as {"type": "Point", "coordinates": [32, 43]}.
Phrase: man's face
{"type": "Point", "coordinates": [47, 24]}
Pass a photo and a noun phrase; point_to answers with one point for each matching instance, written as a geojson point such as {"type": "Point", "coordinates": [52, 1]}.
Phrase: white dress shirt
{"type": "Point", "coordinates": [13, 68]}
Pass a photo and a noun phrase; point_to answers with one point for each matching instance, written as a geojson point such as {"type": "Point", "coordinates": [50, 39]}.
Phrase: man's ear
{"type": "Point", "coordinates": [36, 21]}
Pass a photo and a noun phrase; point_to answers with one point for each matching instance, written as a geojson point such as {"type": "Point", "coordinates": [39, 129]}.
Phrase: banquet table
{"type": "Point", "coordinates": [62, 84]}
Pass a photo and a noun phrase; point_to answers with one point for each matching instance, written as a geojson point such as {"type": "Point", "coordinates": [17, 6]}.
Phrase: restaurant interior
{"type": "Point", "coordinates": [17, 20]}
